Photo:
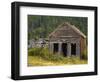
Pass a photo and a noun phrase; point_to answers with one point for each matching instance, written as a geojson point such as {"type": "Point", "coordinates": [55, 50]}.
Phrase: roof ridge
{"type": "Point", "coordinates": [78, 31]}
{"type": "Point", "coordinates": [75, 28]}
{"type": "Point", "coordinates": [70, 25]}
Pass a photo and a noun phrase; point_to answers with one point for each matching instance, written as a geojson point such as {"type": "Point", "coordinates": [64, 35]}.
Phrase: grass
{"type": "Point", "coordinates": [43, 57]}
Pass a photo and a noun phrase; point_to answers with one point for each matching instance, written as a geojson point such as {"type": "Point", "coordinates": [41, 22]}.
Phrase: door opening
{"type": "Point", "coordinates": [64, 49]}
{"type": "Point", "coordinates": [55, 47]}
{"type": "Point", "coordinates": [73, 49]}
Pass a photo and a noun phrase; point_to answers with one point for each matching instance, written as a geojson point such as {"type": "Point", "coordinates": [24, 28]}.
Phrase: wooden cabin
{"type": "Point", "coordinates": [67, 40]}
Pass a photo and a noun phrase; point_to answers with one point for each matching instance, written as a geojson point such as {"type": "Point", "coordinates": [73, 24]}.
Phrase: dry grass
{"type": "Point", "coordinates": [43, 57]}
{"type": "Point", "coordinates": [39, 61]}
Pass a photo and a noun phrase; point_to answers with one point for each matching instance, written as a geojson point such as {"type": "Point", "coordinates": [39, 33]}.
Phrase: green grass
{"type": "Point", "coordinates": [43, 57]}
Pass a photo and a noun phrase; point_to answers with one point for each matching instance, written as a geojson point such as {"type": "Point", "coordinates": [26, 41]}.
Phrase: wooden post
{"type": "Point", "coordinates": [59, 47]}
{"type": "Point", "coordinates": [51, 46]}
{"type": "Point", "coordinates": [78, 49]}
{"type": "Point", "coordinates": [68, 49]}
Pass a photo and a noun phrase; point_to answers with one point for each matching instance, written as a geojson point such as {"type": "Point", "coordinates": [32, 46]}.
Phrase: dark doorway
{"type": "Point", "coordinates": [73, 49]}
{"type": "Point", "coordinates": [64, 49]}
{"type": "Point", "coordinates": [55, 47]}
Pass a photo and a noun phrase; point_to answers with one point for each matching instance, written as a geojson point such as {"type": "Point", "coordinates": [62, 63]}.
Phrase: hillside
{"type": "Point", "coordinates": [42, 26]}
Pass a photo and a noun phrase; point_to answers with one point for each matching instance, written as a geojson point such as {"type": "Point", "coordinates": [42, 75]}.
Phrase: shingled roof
{"type": "Point", "coordinates": [63, 28]}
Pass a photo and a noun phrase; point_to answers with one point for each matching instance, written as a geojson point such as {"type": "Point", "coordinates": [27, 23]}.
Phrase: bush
{"type": "Point", "coordinates": [55, 57]}
{"type": "Point", "coordinates": [84, 54]}
{"type": "Point", "coordinates": [45, 53]}
{"type": "Point", "coordinates": [34, 51]}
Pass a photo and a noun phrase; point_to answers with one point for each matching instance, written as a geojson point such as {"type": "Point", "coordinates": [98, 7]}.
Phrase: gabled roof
{"type": "Point", "coordinates": [68, 25]}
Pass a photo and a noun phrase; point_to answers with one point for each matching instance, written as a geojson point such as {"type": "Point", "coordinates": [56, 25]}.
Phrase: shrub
{"type": "Point", "coordinates": [55, 57]}
{"type": "Point", "coordinates": [45, 53]}
{"type": "Point", "coordinates": [34, 51]}
{"type": "Point", "coordinates": [39, 52]}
